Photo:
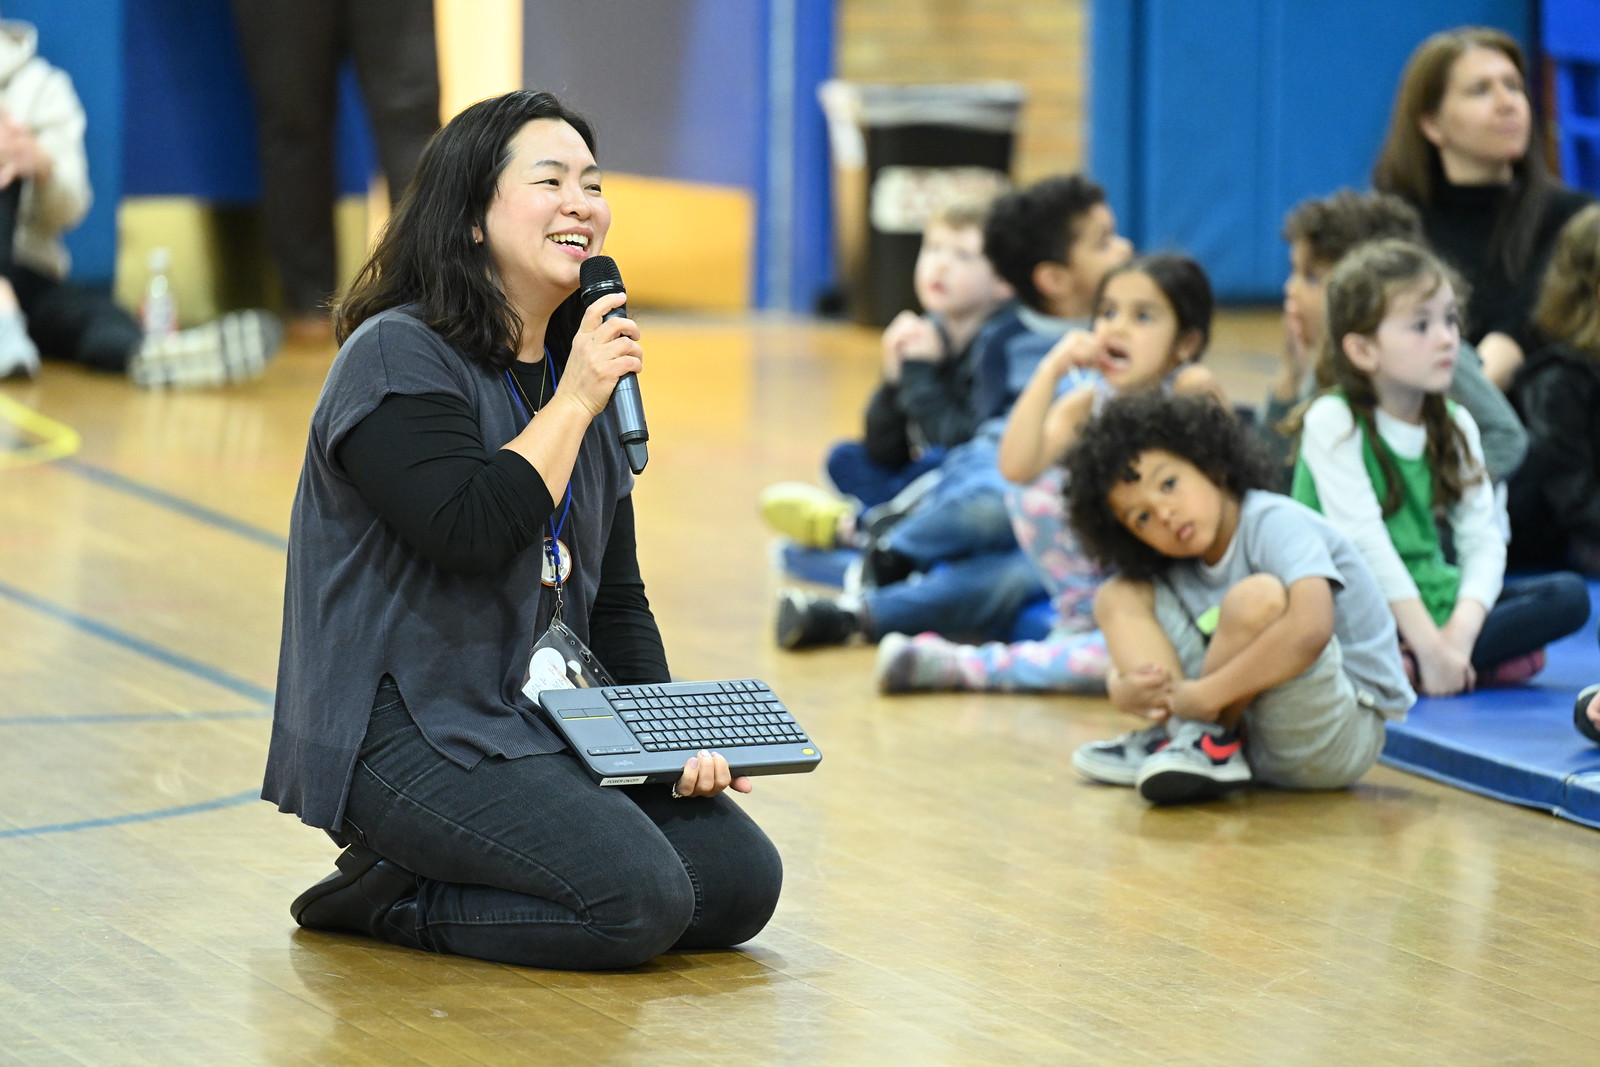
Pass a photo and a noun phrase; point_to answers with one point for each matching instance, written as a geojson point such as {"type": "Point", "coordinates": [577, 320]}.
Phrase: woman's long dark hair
{"type": "Point", "coordinates": [426, 256]}
{"type": "Point", "coordinates": [1409, 165]}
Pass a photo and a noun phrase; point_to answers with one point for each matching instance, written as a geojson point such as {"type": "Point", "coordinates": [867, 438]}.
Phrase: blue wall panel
{"type": "Point", "coordinates": [190, 119]}
{"type": "Point", "coordinates": [717, 91]}
{"type": "Point", "coordinates": [685, 89]}
{"type": "Point", "coordinates": [1209, 121]}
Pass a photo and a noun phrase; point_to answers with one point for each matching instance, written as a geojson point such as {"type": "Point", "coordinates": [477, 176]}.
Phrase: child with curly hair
{"type": "Point", "coordinates": [1242, 626]}
{"type": "Point", "coordinates": [1152, 322]}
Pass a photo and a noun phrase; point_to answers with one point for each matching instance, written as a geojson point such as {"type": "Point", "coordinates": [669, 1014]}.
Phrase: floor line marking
{"type": "Point", "coordinates": [248, 690]}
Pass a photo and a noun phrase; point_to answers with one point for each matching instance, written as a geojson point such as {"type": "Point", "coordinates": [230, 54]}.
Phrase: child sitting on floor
{"type": "Point", "coordinates": [925, 403]}
{"type": "Point", "coordinates": [1384, 456]}
{"type": "Point", "coordinates": [1320, 233]}
{"type": "Point", "coordinates": [1242, 626]}
{"type": "Point", "coordinates": [1152, 321]}
{"type": "Point", "coordinates": [941, 555]}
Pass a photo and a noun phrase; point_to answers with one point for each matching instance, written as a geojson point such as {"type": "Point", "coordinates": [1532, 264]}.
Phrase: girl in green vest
{"type": "Point", "coordinates": [1393, 464]}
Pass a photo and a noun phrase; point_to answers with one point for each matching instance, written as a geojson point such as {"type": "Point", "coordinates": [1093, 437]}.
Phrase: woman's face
{"type": "Point", "coordinates": [1483, 121]}
{"type": "Point", "coordinates": [547, 215]}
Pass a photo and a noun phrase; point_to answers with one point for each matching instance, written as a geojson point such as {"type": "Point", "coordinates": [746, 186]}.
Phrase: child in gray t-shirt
{"type": "Point", "coordinates": [1241, 625]}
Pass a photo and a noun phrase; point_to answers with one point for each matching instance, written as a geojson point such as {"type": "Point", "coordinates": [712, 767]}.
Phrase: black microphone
{"type": "Point", "coordinates": [598, 276]}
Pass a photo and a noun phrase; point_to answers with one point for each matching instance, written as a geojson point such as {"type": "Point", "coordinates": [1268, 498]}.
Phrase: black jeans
{"type": "Point", "coordinates": [292, 51]}
{"type": "Point", "coordinates": [1531, 612]}
{"type": "Point", "coordinates": [528, 861]}
{"type": "Point", "coordinates": [66, 320]}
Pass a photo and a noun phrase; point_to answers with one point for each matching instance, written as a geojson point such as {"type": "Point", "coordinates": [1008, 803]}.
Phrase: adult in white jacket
{"type": "Point", "coordinates": [44, 193]}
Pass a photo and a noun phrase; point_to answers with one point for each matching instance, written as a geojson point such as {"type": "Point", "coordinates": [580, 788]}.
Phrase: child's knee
{"type": "Point", "coordinates": [1255, 602]}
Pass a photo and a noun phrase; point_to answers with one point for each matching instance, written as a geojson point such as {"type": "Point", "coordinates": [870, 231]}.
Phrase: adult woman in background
{"type": "Point", "coordinates": [1460, 148]}
{"type": "Point", "coordinates": [461, 489]}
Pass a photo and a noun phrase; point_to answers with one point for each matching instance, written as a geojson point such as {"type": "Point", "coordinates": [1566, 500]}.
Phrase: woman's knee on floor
{"type": "Point", "coordinates": [647, 912]}
{"type": "Point", "coordinates": [737, 898]}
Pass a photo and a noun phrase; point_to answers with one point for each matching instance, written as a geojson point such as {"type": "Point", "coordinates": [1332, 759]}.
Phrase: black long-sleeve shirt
{"type": "Point", "coordinates": [1458, 225]}
{"type": "Point", "coordinates": [419, 462]}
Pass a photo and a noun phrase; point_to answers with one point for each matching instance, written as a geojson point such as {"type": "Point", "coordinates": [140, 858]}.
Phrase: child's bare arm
{"type": "Point", "coordinates": [1143, 662]}
{"type": "Point", "coordinates": [1442, 668]}
{"type": "Point", "coordinates": [1026, 446]}
{"type": "Point", "coordinates": [1194, 380]}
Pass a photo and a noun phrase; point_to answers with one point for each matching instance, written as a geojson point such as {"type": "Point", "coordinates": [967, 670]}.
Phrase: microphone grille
{"type": "Point", "coordinates": [599, 270]}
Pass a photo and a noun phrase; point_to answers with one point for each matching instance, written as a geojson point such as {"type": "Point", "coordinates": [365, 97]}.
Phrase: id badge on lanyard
{"type": "Point", "coordinates": [559, 659]}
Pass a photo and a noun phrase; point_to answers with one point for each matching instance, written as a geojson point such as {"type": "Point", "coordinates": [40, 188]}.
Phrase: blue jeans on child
{"type": "Point", "coordinates": [528, 861]}
{"type": "Point", "coordinates": [964, 514]}
{"type": "Point", "coordinates": [853, 473]}
{"type": "Point", "coordinates": [976, 598]}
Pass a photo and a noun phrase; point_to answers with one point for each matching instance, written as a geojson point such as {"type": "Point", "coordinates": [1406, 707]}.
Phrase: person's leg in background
{"type": "Point", "coordinates": [291, 51]}
{"type": "Point", "coordinates": [86, 326]}
{"type": "Point", "coordinates": [76, 322]}
{"type": "Point", "coordinates": [396, 58]}
{"type": "Point", "coordinates": [1062, 662]}
{"type": "Point", "coordinates": [853, 473]}
{"type": "Point", "coordinates": [977, 598]}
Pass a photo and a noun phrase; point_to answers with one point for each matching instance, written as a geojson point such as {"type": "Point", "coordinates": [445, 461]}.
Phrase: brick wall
{"type": "Point", "coordinates": [1038, 43]}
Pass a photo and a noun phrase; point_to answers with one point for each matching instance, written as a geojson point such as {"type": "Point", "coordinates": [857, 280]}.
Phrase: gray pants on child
{"type": "Point", "coordinates": [1315, 731]}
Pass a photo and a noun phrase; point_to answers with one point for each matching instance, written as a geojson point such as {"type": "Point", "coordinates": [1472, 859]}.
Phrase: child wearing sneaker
{"type": "Point", "coordinates": [924, 403]}
{"type": "Point", "coordinates": [1152, 321]}
{"type": "Point", "coordinates": [942, 555]}
{"type": "Point", "coordinates": [1243, 628]}
{"type": "Point", "coordinates": [1385, 456]}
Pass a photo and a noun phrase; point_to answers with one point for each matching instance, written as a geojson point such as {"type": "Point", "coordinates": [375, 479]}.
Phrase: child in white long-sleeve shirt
{"type": "Point", "coordinates": [1385, 456]}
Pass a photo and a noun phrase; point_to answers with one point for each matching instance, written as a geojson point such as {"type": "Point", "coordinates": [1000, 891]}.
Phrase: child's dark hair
{"type": "Point", "coordinates": [1182, 281]}
{"type": "Point", "coordinates": [1036, 225]}
{"type": "Point", "coordinates": [1196, 428]}
{"type": "Point", "coordinates": [1360, 291]}
{"type": "Point", "coordinates": [1331, 226]}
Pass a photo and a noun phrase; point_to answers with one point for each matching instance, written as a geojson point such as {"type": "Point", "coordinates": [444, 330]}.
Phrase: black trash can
{"type": "Point", "coordinates": [899, 151]}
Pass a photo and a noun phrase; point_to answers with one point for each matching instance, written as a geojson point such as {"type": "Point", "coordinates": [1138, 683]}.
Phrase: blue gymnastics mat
{"type": "Point", "coordinates": [1515, 744]}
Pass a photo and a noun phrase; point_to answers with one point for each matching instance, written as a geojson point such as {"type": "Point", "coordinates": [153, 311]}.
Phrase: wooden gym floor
{"type": "Point", "coordinates": [955, 894]}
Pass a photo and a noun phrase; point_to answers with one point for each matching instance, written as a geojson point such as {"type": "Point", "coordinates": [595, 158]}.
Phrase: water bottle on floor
{"type": "Point", "coordinates": [158, 311]}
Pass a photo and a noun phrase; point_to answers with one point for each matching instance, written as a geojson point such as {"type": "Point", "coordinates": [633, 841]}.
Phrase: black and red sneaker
{"type": "Point", "coordinates": [1200, 762]}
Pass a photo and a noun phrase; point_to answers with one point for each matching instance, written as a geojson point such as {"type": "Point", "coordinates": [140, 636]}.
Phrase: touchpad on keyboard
{"type": "Point", "coordinates": [601, 727]}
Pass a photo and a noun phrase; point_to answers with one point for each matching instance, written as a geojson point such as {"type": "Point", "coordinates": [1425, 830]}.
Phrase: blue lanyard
{"type": "Point", "coordinates": [556, 525]}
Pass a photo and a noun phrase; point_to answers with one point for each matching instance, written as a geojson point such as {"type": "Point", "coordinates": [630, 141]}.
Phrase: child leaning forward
{"type": "Point", "coordinates": [1243, 627]}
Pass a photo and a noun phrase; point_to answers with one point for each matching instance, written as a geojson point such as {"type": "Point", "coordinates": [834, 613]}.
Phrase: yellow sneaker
{"type": "Point", "coordinates": [804, 513]}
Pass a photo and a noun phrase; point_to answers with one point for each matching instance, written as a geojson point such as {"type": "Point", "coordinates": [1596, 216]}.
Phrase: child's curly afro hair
{"type": "Point", "coordinates": [1196, 428]}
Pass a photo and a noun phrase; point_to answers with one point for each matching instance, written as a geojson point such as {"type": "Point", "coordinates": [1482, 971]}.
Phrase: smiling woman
{"type": "Point", "coordinates": [464, 490]}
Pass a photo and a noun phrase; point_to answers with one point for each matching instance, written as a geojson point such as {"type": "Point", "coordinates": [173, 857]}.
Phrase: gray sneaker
{"type": "Point", "coordinates": [925, 663]}
{"type": "Point", "coordinates": [234, 348]}
{"type": "Point", "coordinates": [1202, 761]}
{"type": "Point", "coordinates": [1117, 762]}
